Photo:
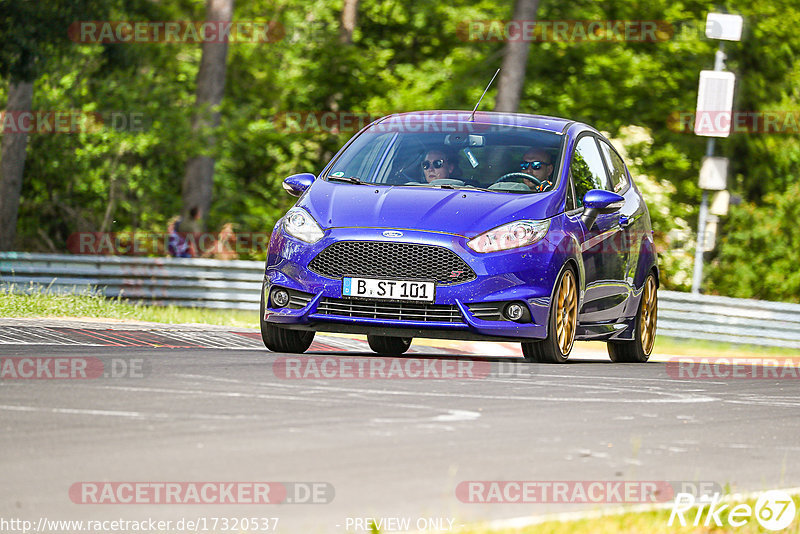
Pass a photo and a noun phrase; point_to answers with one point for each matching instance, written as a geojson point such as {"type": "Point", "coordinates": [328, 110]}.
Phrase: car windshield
{"type": "Point", "coordinates": [497, 158]}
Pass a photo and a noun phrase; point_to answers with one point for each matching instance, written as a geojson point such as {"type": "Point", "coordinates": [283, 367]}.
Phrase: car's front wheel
{"type": "Point", "coordinates": [639, 348]}
{"type": "Point", "coordinates": [561, 326]}
{"type": "Point", "coordinates": [389, 345]}
{"type": "Point", "coordinates": [279, 339]}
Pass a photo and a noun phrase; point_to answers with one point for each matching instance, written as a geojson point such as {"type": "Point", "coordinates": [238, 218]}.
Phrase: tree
{"type": "Point", "coordinates": [198, 182]}
{"type": "Point", "coordinates": [771, 233]}
{"type": "Point", "coordinates": [515, 60]}
{"type": "Point", "coordinates": [402, 57]}
{"type": "Point", "coordinates": [12, 162]}
{"type": "Point", "coordinates": [348, 22]}
{"type": "Point", "coordinates": [31, 33]}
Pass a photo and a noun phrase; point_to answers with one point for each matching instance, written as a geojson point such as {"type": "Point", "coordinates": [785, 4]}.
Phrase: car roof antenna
{"type": "Point", "coordinates": [472, 116]}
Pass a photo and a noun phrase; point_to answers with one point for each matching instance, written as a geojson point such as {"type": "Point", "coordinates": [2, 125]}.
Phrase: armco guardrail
{"type": "Point", "coordinates": [183, 282]}
{"type": "Point", "coordinates": [757, 322]}
{"type": "Point", "coordinates": [236, 284]}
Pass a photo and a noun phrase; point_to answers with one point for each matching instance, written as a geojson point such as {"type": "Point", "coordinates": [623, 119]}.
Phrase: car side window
{"type": "Point", "coordinates": [619, 178]}
{"type": "Point", "coordinates": [587, 168]}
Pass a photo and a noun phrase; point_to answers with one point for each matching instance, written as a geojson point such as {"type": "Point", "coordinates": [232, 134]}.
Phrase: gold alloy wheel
{"type": "Point", "coordinates": [566, 312]}
{"type": "Point", "coordinates": [647, 322]}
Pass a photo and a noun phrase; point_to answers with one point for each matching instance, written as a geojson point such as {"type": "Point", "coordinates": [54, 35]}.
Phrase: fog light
{"type": "Point", "coordinates": [280, 298]}
{"type": "Point", "coordinates": [514, 311]}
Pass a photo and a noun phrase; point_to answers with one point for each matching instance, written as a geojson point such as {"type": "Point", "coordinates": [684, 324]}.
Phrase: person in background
{"type": "Point", "coordinates": [176, 243]}
{"type": "Point", "coordinates": [224, 247]}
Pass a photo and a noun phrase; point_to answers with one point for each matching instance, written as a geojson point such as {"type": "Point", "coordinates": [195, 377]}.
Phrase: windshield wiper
{"type": "Point", "coordinates": [452, 186]}
{"type": "Point", "coordinates": [346, 179]}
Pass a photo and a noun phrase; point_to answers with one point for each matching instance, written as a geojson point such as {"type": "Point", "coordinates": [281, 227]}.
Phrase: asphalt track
{"type": "Point", "coordinates": [209, 406]}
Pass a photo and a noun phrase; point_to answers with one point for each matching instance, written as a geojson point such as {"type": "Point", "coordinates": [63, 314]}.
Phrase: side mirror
{"type": "Point", "coordinates": [296, 184]}
{"type": "Point", "coordinates": [597, 202]}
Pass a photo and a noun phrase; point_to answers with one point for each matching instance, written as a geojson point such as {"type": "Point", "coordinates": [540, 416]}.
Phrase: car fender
{"type": "Point", "coordinates": [648, 259]}
{"type": "Point", "coordinates": [567, 251]}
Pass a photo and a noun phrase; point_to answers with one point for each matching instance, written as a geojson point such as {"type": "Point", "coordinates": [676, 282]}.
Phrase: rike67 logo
{"type": "Point", "coordinates": [774, 510]}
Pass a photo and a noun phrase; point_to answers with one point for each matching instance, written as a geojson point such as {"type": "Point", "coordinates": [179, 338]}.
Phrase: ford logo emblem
{"type": "Point", "coordinates": [392, 233]}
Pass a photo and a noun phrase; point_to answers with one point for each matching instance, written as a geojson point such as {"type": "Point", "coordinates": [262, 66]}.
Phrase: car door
{"type": "Point", "coordinates": [633, 223]}
{"type": "Point", "coordinates": [604, 246]}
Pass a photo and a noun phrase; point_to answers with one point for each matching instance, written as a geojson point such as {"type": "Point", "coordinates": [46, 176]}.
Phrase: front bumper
{"type": "Point", "coordinates": [516, 275]}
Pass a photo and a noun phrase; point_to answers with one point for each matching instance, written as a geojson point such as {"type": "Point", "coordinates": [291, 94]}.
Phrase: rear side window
{"type": "Point", "coordinates": [619, 178]}
{"type": "Point", "coordinates": [587, 168]}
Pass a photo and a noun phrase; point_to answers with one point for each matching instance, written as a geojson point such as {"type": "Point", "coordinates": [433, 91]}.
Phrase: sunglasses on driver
{"type": "Point", "coordinates": [535, 165]}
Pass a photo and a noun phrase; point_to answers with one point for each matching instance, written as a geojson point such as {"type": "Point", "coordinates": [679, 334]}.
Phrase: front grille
{"type": "Point", "coordinates": [397, 311]}
{"type": "Point", "coordinates": [298, 300]}
{"type": "Point", "coordinates": [392, 260]}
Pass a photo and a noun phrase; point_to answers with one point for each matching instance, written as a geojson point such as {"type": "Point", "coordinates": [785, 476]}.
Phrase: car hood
{"type": "Point", "coordinates": [462, 212]}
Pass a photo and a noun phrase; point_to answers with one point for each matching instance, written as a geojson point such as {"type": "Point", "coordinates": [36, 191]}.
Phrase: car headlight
{"type": "Point", "coordinates": [512, 235]}
{"type": "Point", "coordinates": [300, 224]}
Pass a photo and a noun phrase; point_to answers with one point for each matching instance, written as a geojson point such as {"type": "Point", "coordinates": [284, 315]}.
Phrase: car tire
{"type": "Point", "coordinates": [279, 339]}
{"type": "Point", "coordinates": [561, 326]}
{"type": "Point", "coordinates": [389, 345]}
{"type": "Point", "coordinates": [639, 348]}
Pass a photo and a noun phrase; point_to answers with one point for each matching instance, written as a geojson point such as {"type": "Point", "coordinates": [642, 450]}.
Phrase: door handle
{"type": "Point", "coordinates": [625, 221]}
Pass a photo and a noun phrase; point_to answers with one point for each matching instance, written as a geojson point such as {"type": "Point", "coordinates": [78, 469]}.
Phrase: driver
{"type": "Point", "coordinates": [439, 164]}
{"type": "Point", "coordinates": [539, 164]}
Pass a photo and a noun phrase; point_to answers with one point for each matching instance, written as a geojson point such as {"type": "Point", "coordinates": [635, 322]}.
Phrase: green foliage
{"type": "Point", "coordinates": [673, 236]}
{"type": "Point", "coordinates": [33, 31]}
{"type": "Point", "coordinates": [582, 177]}
{"type": "Point", "coordinates": [763, 243]}
{"type": "Point", "coordinates": [404, 57]}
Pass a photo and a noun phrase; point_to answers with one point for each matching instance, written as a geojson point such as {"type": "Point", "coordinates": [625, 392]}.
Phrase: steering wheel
{"type": "Point", "coordinates": [401, 176]}
{"type": "Point", "coordinates": [524, 175]}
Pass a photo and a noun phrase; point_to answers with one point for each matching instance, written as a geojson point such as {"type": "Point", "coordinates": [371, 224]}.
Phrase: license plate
{"type": "Point", "coordinates": [388, 289]}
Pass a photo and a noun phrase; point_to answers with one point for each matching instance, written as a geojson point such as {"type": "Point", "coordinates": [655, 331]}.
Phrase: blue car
{"type": "Point", "coordinates": [484, 226]}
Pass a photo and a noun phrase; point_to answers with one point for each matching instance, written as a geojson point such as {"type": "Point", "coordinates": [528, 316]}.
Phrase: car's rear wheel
{"type": "Point", "coordinates": [561, 326]}
{"type": "Point", "coordinates": [639, 348]}
{"type": "Point", "coordinates": [279, 339]}
{"type": "Point", "coordinates": [389, 345]}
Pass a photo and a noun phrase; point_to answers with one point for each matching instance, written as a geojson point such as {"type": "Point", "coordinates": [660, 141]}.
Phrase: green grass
{"type": "Point", "coordinates": [651, 522]}
{"type": "Point", "coordinates": [695, 347]}
{"type": "Point", "coordinates": [40, 302]}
